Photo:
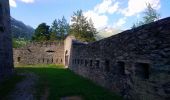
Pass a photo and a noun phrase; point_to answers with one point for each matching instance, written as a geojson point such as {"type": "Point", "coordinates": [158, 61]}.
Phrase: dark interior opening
{"type": "Point", "coordinates": [1, 29]}
{"type": "Point", "coordinates": [142, 70]}
{"type": "Point", "coordinates": [19, 59]}
{"type": "Point", "coordinates": [107, 65]}
{"type": "Point", "coordinates": [50, 51]}
{"type": "Point", "coordinates": [75, 61]}
{"type": "Point", "coordinates": [61, 60]}
{"type": "Point", "coordinates": [97, 63]}
{"type": "Point", "coordinates": [43, 60]}
{"type": "Point", "coordinates": [29, 50]}
{"type": "Point", "coordinates": [121, 67]}
{"type": "Point", "coordinates": [81, 61]}
{"type": "Point", "coordinates": [91, 62]}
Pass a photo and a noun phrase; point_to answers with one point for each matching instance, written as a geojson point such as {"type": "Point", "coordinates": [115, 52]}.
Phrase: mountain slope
{"type": "Point", "coordinates": [107, 32]}
{"type": "Point", "coordinates": [20, 30]}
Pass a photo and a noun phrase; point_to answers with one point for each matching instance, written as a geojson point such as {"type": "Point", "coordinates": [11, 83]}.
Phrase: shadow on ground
{"type": "Point", "coordinates": [55, 82]}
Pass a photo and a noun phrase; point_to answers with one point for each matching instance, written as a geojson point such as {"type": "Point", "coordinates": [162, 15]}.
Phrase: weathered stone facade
{"type": "Point", "coordinates": [40, 53]}
{"type": "Point", "coordinates": [134, 63]}
{"type": "Point", "coordinates": [6, 59]}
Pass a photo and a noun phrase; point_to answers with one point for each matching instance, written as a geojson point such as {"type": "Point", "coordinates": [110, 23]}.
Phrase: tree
{"type": "Point", "coordinates": [54, 30]}
{"type": "Point", "coordinates": [59, 28]}
{"type": "Point", "coordinates": [81, 28]}
{"type": "Point", "coordinates": [41, 33]}
{"type": "Point", "coordinates": [150, 15]}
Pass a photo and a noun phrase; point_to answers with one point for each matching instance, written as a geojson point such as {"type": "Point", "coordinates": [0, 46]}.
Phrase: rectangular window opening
{"type": "Point", "coordinates": [97, 63]}
{"type": "Point", "coordinates": [121, 67]}
{"type": "Point", "coordinates": [107, 65]}
{"type": "Point", "coordinates": [19, 59]}
{"type": "Point", "coordinates": [142, 70]}
{"type": "Point", "coordinates": [91, 62]}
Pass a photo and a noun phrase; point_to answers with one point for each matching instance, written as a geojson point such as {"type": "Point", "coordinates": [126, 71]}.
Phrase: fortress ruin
{"type": "Point", "coordinates": [134, 63]}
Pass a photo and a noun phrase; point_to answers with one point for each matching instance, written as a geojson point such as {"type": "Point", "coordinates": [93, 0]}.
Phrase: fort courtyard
{"type": "Point", "coordinates": [131, 65]}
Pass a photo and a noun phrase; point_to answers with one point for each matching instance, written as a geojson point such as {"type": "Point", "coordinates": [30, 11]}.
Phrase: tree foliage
{"type": "Point", "coordinates": [42, 33]}
{"type": "Point", "coordinates": [150, 15]}
{"type": "Point", "coordinates": [82, 28]}
{"type": "Point", "coordinates": [19, 42]}
{"type": "Point", "coordinates": [59, 29]}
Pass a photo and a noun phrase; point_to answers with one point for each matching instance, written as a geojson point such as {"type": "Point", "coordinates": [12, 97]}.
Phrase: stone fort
{"type": "Point", "coordinates": [6, 59]}
{"type": "Point", "coordinates": [134, 63]}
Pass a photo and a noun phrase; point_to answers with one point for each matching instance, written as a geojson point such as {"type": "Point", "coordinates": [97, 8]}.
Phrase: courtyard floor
{"type": "Point", "coordinates": [54, 82]}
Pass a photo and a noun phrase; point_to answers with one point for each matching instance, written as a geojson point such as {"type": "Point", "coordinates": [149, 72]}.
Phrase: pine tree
{"type": "Point", "coordinates": [81, 28]}
{"type": "Point", "coordinates": [150, 15]}
{"type": "Point", "coordinates": [59, 28]}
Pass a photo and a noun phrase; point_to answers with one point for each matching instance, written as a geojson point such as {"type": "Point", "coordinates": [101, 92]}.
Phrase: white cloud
{"type": "Point", "coordinates": [138, 6]}
{"type": "Point", "coordinates": [120, 22]}
{"type": "Point", "coordinates": [98, 20]}
{"type": "Point", "coordinates": [27, 1]}
{"type": "Point", "coordinates": [14, 4]}
{"type": "Point", "coordinates": [107, 6]}
{"type": "Point", "coordinates": [98, 14]}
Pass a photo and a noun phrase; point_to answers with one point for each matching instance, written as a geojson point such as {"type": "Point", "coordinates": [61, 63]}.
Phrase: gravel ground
{"type": "Point", "coordinates": [25, 89]}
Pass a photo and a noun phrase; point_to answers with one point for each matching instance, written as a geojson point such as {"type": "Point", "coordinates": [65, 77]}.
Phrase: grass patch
{"type": "Point", "coordinates": [8, 85]}
{"type": "Point", "coordinates": [63, 82]}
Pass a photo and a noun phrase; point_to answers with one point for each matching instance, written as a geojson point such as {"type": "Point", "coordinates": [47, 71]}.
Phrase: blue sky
{"type": "Point", "coordinates": [118, 14]}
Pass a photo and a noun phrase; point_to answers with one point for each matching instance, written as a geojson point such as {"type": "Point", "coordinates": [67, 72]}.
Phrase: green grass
{"type": "Point", "coordinates": [8, 85]}
{"type": "Point", "coordinates": [63, 82]}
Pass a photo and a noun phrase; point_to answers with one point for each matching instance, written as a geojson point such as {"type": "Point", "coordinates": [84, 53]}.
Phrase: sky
{"type": "Point", "coordinates": [117, 14]}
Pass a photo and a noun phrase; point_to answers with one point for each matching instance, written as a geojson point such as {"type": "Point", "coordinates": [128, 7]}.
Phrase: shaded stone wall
{"type": "Point", "coordinates": [134, 63]}
{"type": "Point", "coordinates": [6, 59]}
{"type": "Point", "coordinates": [40, 53]}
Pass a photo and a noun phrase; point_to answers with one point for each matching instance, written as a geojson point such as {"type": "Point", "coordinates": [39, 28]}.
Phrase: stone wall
{"type": "Point", "coordinates": [40, 53]}
{"type": "Point", "coordinates": [6, 59]}
{"type": "Point", "coordinates": [134, 63]}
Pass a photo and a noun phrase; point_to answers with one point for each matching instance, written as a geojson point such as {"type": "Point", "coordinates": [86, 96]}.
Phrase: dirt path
{"type": "Point", "coordinates": [25, 89]}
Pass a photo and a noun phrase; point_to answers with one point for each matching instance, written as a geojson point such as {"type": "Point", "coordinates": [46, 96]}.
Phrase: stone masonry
{"type": "Point", "coordinates": [40, 53]}
{"type": "Point", "coordinates": [6, 59]}
{"type": "Point", "coordinates": [134, 63]}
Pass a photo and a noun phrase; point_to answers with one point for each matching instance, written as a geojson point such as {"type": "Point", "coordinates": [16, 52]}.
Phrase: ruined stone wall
{"type": "Point", "coordinates": [40, 53]}
{"type": "Point", "coordinates": [6, 59]}
{"type": "Point", "coordinates": [134, 63]}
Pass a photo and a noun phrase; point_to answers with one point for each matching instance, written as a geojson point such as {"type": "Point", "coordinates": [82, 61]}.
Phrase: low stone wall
{"type": "Point", "coordinates": [134, 63]}
{"type": "Point", "coordinates": [40, 53]}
